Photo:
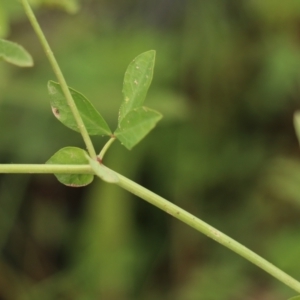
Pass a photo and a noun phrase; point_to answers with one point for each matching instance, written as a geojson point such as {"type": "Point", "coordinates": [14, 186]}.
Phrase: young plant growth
{"type": "Point", "coordinates": [77, 167]}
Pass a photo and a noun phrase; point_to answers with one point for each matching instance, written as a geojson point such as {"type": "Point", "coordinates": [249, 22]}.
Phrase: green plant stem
{"type": "Point", "coordinates": [106, 147]}
{"type": "Point", "coordinates": [166, 206]}
{"type": "Point", "coordinates": [60, 78]}
{"type": "Point", "coordinates": [208, 230]}
{"type": "Point", "coordinates": [45, 169]}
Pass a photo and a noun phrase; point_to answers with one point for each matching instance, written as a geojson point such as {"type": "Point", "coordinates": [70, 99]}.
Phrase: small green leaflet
{"type": "Point", "coordinates": [295, 298]}
{"type": "Point", "coordinates": [103, 172]}
{"type": "Point", "coordinates": [71, 156]}
{"type": "Point", "coordinates": [15, 54]}
{"type": "Point", "coordinates": [93, 121]}
{"type": "Point", "coordinates": [135, 120]}
{"type": "Point", "coordinates": [137, 80]}
{"type": "Point", "coordinates": [136, 125]}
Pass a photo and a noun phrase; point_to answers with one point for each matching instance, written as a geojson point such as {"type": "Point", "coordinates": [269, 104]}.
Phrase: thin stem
{"type": "Point", "coordinates": [166, 206]}
{"type": "Point", "coordinates": [208, 230]}
{"type": "Point", "coordinates": [45, 169]}
{"type": "Point", "coordinates": [106, 147]}
{"type": "Point", "coordinates": [60, 78]}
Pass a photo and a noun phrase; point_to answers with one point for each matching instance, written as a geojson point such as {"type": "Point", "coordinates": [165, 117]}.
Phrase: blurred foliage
{"type": "Point", "coordinates": [227, 82]}
{"type": "Point", "coordinates": [11, 11]}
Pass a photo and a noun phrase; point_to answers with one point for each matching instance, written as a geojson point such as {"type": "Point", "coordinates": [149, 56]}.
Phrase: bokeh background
{"type": "Point", "coordinates": [227, 82]}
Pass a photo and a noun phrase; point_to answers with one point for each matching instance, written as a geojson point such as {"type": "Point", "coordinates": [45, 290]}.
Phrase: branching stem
{"type": "Point", "coordinates": [131, 186]}
{"type": "Point", "coordinates": [166, 206]}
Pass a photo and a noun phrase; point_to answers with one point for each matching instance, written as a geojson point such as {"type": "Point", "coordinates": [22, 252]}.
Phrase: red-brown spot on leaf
{"type": "Point", "coordinates": [55, 112]}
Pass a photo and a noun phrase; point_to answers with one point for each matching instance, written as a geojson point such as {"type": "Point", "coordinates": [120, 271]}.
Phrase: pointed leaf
{"type": "Point", "coordinates": [71, 156]}
{"type": "Point", "coordinates": [93, 121]}
{"type": "Point", "coordinates": [136, 125]}
{"type": "Point", "coordinates": [137, 80]}
{"type": "Point", "coordinates": [15, 54]}
{"type": "Point", "coordinates": [295, 298]}
{"type": "Point", "coordinates": [103, 172]}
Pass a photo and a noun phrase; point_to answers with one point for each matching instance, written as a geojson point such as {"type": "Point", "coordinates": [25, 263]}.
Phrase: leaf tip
{"type": "Point", "coordinates": [15, 54]}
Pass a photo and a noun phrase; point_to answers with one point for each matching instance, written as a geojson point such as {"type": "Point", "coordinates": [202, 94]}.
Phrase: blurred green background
{"type": "Point", "coordinates": [227, 82]}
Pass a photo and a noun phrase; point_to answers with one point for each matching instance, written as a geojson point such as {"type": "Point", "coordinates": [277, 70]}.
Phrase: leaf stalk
{"type": "Point", "coordinates": [106, 147]}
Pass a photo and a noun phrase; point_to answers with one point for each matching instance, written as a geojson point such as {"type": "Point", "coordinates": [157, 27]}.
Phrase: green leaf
{"type": "Point", "coordinates": [295, 298]}
{"type": "Point", "coordinates": [71, 156]}
{"type": "Point", "coordinates": [137, 80]}
{"type": "Point", "coordinates": [93, 121]}
{"type": "Point", "coordinates": [15, 54]}
{"type": "Point", "coordinates": [136, 125]}
{"type": "Point", "coordinates": [103, 172]}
